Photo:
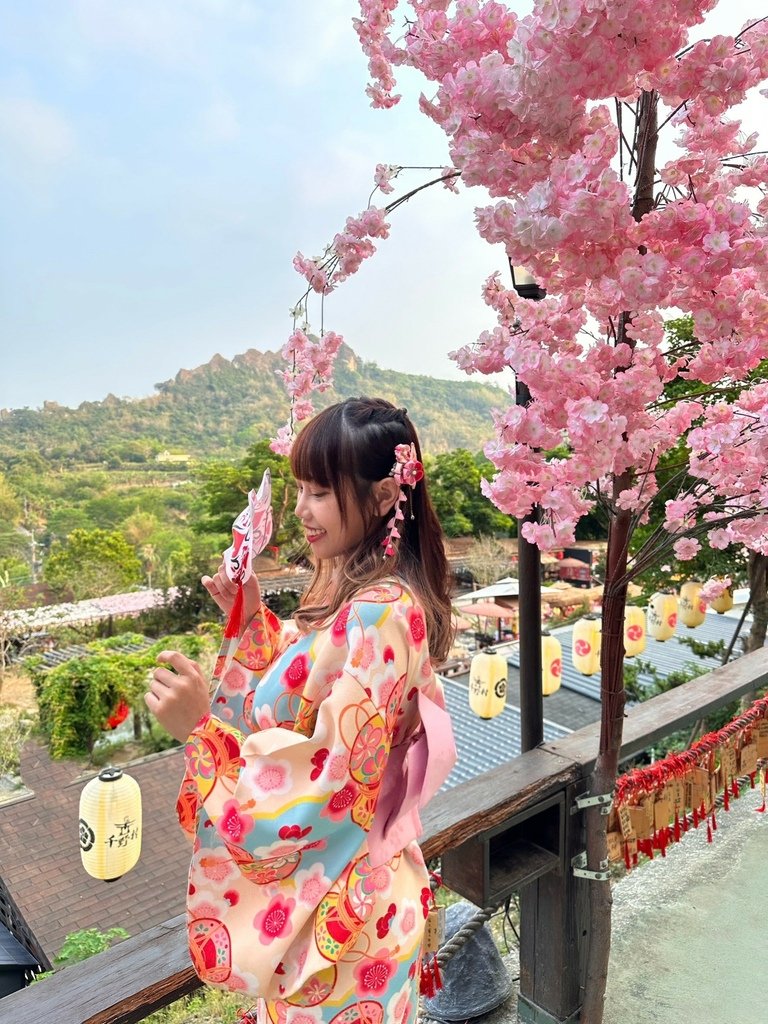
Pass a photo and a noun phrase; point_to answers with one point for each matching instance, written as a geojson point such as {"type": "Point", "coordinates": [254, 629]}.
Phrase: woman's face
{"type": "Point", "coordinates": [320, 515]}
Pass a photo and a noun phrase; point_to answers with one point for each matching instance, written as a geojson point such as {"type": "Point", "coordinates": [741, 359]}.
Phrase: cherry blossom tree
{"type": "Point", "coordinates": [557, 117]}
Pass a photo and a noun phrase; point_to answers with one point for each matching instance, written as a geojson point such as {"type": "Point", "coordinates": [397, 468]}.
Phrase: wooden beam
{"type": "Point", "coordinates": [493, 797]}
{"type": "Point", "coordinates": [656, 718]}
{"type": "Point", "coordinates": [123, 985]}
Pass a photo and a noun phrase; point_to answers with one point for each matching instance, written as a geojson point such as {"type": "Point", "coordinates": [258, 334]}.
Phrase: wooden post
{"type": "Point", "coordinates": [554, 916]}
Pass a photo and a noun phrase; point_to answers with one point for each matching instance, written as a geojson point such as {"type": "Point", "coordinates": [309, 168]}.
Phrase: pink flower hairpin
{"type": "Point", "coordinates": [407, 471]}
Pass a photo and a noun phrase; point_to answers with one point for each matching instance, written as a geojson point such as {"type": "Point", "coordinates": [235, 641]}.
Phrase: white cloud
{"type": "Point", "coordinates": [35, 133]}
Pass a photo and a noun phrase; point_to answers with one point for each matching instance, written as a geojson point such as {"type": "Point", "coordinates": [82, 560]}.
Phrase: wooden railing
{"type": "Point", "coordinates": [125, 984]}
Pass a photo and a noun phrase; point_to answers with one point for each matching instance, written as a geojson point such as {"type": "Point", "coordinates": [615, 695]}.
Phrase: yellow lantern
{"type": "Point", "coordinates": [110, 824]}
{"type": "Point", "coordinates": [724, 603]}
{"type": "Point", "coordinates": [693, 611]}
{"type": "Point", "coordinates": [551, 664]}
{"type": "Point", "coordinates": [662, 615]}
{"type": "Point", "coordinates": [488, 683]}
{"type": "Point", "coordinates": [586, 646]}
{"type": "Point", "coordinates": [634, 631]}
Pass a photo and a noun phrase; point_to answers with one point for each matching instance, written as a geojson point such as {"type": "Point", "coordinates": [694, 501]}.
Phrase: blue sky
{"type": "Point", "coordinates": [162, 160]}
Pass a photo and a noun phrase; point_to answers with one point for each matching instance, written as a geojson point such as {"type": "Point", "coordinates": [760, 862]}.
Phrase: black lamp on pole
{"type": "Point", "coordinates": [529, 577]}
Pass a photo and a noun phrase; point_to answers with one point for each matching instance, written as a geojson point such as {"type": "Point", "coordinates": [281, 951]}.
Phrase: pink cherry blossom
{"type": "Point", "coordinates": [686, 548]}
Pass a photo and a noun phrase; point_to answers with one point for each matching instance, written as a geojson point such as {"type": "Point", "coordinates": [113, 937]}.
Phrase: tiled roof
{"type": "Point", "coordinates": [483, 744]}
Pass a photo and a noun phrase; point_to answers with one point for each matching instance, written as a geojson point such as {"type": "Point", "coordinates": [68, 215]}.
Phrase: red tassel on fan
{"type": "Point", "coordinates": [695, 817]}
{"type": "Point", "coordinates": [709, 833]}
{"type": "Point", "coordinates": [726, 802]}
{"type": "Point", "coordinates": [752, 779]}
{"type": "Point", "coordinates": [677, 827]}
{"type": "Point", "coordinates": [702, 812]}
{"type": "Point", "coordinates": [627, 860]}
{"type": "Point", "coordinates": [235, 620]}
{"type": "Point", "coordinates": [686, 826]}
{"type": "Point", "coordinates": [714, 821]}
{"type": "Point", "coordinates": [735, 790]}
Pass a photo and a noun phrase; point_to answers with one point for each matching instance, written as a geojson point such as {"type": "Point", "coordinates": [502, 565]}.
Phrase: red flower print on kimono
{"type": "Point", "coordinates": [417, 629]}
{"type": "Point", "coordinates": [340, 803]}
{"type": "Point", "coordinates": [373, 973]}
{"type": "Point", "coordinates": [232, 825]}
{"type": "Point", "coordinates": [275, 920]}
{"type": "Point", "coordinates": [339, 627]}
{"type": "Point", "coordinates": [296, 673]}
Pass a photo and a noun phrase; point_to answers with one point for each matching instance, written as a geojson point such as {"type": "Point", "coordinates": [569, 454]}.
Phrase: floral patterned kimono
{"type": "Point", "coordinates": [302, 792]}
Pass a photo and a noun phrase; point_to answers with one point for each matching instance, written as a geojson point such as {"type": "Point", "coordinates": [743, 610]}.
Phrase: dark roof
{"type": "Point", "coordinates": [483, 744]}
{"type": "Point", "coordinates": [12, 921]}
{"type": "Point", "coordinates": [12, 953]}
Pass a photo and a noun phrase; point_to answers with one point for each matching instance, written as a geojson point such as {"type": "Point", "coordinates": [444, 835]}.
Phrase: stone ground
{"type": "Point", "coordinates": [689, 931]}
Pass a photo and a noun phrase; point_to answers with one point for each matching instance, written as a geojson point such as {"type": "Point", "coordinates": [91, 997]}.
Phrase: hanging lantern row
{"type": "Point", "coordinates": [110, 824]}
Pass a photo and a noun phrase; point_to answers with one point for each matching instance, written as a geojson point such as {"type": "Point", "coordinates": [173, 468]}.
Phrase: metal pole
{"type": "Point", "coordinates": [529, 585]}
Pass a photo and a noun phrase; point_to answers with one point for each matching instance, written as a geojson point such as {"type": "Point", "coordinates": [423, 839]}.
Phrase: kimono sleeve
{"type": "Point", "coordinates": [273, 795]}
{"type": "Point", "coordinates": [239, 667]}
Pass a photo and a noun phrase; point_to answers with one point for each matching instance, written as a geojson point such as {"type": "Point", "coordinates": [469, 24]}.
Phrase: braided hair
{"type": "Point", "coordinates": [347, 448]}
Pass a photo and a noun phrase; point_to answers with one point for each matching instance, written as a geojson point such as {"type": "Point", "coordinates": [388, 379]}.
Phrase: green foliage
{"type": "Point", "coordinates": [703, 649]}
{"type": "Point", "coordinates": [224, 489]}
{"type": "Point", "coordinates": [77, 697]}
{"type": "Point", "coordinates": [454, 486]}
{"type": "Point", "coordinates": [92, 563]}
{"type": "Point", "coordinates": [10, 506]}
{"type": "Point", "coordinates": [15, 726]}
{"type": "Point", "coordinates": [87, 942]}
{"type": "Point", "coordinates": [206, 1006]}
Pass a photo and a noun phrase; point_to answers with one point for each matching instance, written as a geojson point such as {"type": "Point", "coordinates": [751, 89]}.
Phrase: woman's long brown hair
{"type": "Point", "coordinates": [346, 448]}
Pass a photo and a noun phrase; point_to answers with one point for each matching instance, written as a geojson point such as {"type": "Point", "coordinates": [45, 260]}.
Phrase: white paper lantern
{"type": "Point", "coordinates": [693, 611]}
{"type": "Point", "coordinates": [488, 683]}
{"type": "Point", "coordinates": [634, 631]}
{"type": "Point", "coordinates": [110, 824]}
{"type": "Point", "coordinates": [662, 616]}
{"type": "Point", "coordinates": [585, 649]}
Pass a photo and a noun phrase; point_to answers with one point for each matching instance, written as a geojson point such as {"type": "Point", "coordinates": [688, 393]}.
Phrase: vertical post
{"type": "Point", "coordinates": [529, 601]}
{"type": "Point", "coordinates": [554, 932]}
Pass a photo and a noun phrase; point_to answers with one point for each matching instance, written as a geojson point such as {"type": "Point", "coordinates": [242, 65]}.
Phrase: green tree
{"type": "Point", "coordinates": [92, 563]}
{"type": "Point", "coordinates": [462, 508]}
{"type": "Point", "coordinates": [224, 490]}
{"type": "Point", "coordinates": [10, 505]}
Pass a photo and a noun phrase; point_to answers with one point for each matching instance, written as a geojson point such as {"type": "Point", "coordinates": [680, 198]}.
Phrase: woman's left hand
{"type": "Point", "coordinates": [178, 695]}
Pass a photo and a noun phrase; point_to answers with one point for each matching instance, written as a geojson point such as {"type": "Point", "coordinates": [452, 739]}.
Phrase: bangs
{"type": "Point", "coordinates": [316, 454]}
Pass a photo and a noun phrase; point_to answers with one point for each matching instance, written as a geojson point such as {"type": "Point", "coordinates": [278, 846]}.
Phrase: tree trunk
{"type": "Point", "coordinates": [606, 766]}
{"type": "Point", "coordinates": [758, 587]}
{"type": "Point", "coordinates": [612, 652]}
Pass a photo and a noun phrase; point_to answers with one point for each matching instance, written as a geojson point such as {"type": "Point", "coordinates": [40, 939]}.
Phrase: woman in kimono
{"type": "Point", "coordinates": [306, 770]}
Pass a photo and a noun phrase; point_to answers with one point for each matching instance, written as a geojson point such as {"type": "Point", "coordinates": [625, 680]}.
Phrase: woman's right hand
{"type": "Point", "coordinates": [223, 592]}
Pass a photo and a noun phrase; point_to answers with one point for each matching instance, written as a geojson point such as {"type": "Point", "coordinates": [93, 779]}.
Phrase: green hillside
{"type": "Point", "coordinates": [224, 406]}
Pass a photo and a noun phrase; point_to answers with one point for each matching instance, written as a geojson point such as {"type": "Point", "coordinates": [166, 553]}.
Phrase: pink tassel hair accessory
{"type": "Point", "coordinates": [407, 471]}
